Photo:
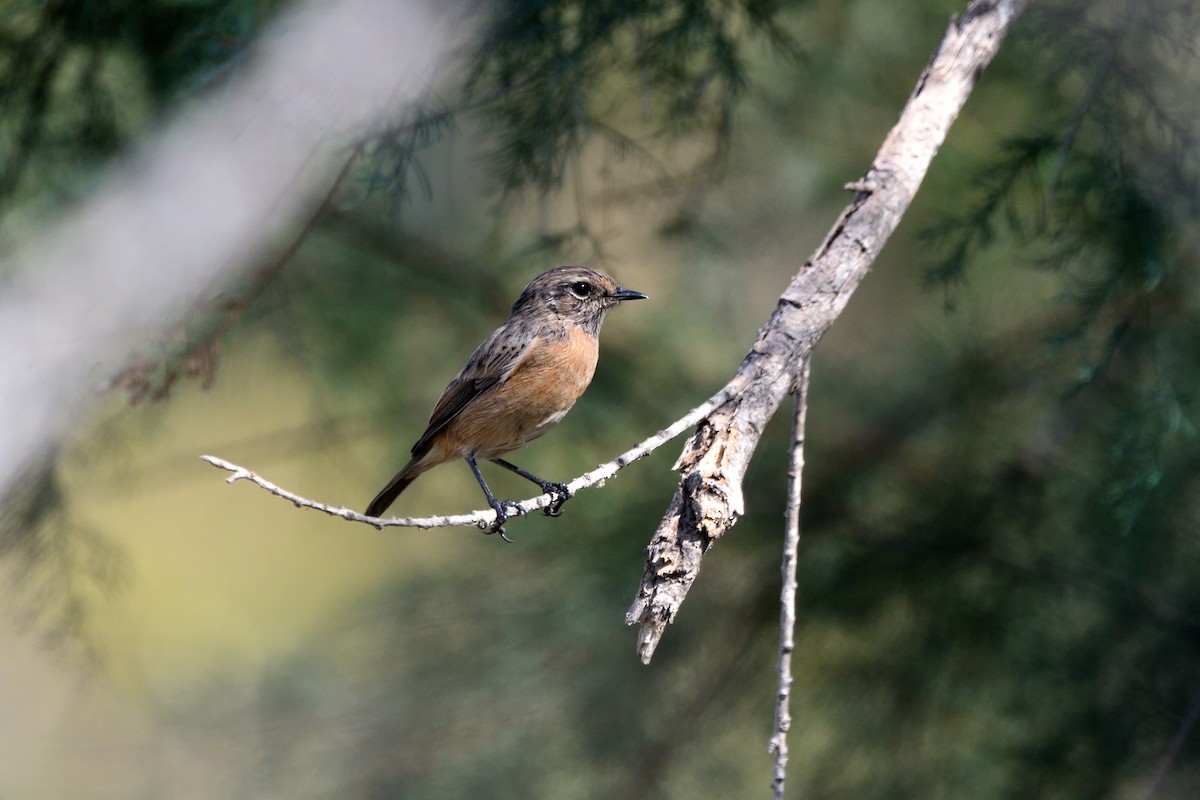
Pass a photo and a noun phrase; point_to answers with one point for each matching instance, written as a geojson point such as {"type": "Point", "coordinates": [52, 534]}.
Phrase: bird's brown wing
{"type": "Point", "coordinates": [488, 367]}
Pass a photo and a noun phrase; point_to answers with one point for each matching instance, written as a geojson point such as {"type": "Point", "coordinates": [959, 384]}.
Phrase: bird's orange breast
{"type": "Point", "coordinates": [537, 394]}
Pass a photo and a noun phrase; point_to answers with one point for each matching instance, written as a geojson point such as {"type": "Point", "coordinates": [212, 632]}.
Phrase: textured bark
{"type": "Point", "coordinates": [713, 463]}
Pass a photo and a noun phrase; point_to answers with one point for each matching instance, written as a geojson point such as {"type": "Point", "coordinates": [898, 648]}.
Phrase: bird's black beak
{"type": "Point", "coordinates": [627, 294]}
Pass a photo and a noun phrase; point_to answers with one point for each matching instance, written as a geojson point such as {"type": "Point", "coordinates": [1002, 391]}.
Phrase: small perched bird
{"type": "Point", "coordinates": [522, 380]}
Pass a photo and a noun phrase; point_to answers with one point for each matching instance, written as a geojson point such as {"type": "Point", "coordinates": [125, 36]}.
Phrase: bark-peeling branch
{"type": "Point", "coordinates": [713, 463]}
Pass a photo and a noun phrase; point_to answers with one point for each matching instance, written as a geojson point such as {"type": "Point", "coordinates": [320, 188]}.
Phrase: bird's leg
{"type": "Point", "coordinates": [499, 506]}
{"type": "Point", "coordinates": [559, 493]}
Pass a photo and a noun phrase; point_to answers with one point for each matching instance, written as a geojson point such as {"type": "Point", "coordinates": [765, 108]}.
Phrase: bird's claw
{"type": "Point", "coordinates": [503, 515]}
{"type": "Point", "coordinates": [559, 494]}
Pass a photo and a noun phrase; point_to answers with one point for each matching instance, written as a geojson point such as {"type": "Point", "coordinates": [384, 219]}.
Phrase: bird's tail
{"type": "Point", "coordinates": [395, 486]}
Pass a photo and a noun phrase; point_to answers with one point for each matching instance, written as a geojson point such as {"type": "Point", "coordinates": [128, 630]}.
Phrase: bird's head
{"type": "Point", "coordinates": [579, 294]}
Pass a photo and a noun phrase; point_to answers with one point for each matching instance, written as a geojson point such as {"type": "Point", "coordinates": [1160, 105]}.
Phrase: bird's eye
{"type": "Point", "coordinates": [581, 289]}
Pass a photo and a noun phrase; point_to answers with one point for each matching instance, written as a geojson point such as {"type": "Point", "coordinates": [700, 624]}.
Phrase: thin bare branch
{"type": "Point", "coordinates": [714, 461]}
{"type": "Point", "coordinates": [482, 518]}
{"type": "Point", "coordinates": [787, 594]}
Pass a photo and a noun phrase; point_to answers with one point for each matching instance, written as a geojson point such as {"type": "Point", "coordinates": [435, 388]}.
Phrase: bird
{"type": "Point", "coordinates": [517, 385]}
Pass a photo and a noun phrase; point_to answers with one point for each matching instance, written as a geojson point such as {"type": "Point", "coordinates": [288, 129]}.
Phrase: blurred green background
{"type": "Point", "coordinates": [1000, 570]}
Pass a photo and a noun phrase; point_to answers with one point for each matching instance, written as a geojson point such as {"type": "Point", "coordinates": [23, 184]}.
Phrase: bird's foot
{"type": "Point", "coordinates": [504, 515]}
{"type": "Point", "coordinates": [559, 494]}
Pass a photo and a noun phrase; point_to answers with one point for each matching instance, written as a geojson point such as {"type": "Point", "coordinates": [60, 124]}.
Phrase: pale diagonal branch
{"type": "Point", "coordinates": [709, 497]}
